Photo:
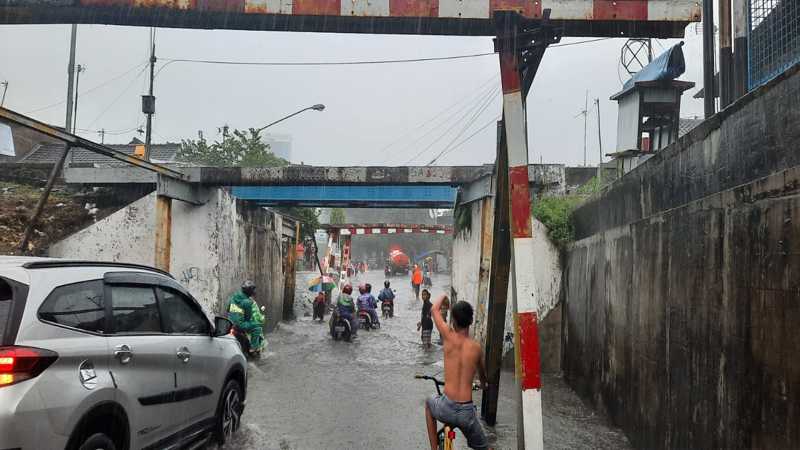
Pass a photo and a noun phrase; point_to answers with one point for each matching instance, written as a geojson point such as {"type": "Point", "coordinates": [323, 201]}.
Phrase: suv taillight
{"type": "Point", "coordinates": [23, 363]}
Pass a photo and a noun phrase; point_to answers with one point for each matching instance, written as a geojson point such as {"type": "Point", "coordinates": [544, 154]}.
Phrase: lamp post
{"type": "Point", "coordinates": [317, 107]}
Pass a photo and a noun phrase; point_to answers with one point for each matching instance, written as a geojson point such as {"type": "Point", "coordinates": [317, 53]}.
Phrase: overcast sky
{"type": "Point", "coordinates": [417, 109]}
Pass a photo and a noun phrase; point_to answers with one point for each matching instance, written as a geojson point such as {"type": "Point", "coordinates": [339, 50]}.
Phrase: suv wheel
{"type": "Point", "coordinates": [98, 441]}
{"type": "Point", "coordinates": [229, 412]}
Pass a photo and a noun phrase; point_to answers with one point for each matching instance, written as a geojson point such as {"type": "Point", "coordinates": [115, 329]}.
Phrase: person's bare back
{"type": "Point", "coordinates": [462, 359]}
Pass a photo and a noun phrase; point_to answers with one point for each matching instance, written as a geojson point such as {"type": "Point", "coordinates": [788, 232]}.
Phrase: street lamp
{"type": "Point", "coordinates": [317, 107]}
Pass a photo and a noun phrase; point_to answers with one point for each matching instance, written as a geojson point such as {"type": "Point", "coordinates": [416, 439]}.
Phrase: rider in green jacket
{"type": "Point", "coordinates": [246, 316]}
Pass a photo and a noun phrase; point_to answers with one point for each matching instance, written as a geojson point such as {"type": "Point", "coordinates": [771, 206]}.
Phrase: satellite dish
{"type": "Point", "coordinates": [6, 141]}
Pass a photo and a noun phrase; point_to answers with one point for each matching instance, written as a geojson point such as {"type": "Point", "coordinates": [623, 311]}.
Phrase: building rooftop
{"type": "Point", "coordinates": [49, 153]}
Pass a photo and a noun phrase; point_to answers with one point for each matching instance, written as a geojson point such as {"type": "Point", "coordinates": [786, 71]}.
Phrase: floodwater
{"type": "Point", "coordinates": [310, 392]}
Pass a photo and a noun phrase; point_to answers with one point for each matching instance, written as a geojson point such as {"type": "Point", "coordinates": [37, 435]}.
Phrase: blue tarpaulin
{"type": "Point", "coordinates": [668, 66]}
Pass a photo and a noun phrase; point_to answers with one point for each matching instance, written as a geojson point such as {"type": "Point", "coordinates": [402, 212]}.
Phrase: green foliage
{"type": "Point", "coordinates": [309, 219]}
{"type": "Point", "coordinates": [555, 213]}
{"type": "Point", "coordinates": [590, 187]}
{"type": "Point", "coordinates": [338, 216]}
{"type": "Point", "coordinates": [462, 218]}
{"type": "Point", "coordinates": [237, 149]}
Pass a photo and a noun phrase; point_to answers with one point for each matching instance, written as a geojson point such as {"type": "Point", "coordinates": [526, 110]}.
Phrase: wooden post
{"type": "Point", "coordinates": [290, 278]}
{"type": "Point", "coordinates": [500, 266]}
{"type": "Point", "coordinates": [740, 27]}
{"type": "Point", "coordinates": [725, 54]}
{"type": "Point", "coordinates": [163, 232]}
{"type": "Point", "coordinates": [26, 237]}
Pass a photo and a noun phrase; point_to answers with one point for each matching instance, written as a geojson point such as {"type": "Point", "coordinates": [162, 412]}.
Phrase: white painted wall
{"type": "Point", "coordinates": [466, 272]}
{"type": "Point", "coordinates": [127, 235]}
{"type": "Point", "coordinates": [215, 247]}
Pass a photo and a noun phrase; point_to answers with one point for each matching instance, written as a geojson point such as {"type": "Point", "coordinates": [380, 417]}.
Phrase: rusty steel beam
{"type": "Point", "coordinates": [72, 140]}
{"type": "Point", "coordinates": [382, 228]}
{"type": "Point", "coordinates": [163, 233]}
{"type": "Point", "coordinates": [290, 278]}
{"type": "Point", "coordinates": [499, 272]}
{"type": "Point", "coordinates": [625, 18]}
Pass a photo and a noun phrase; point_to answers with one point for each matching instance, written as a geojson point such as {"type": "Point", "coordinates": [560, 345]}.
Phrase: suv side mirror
{"type": "Point", "coordinates": [222, 326]}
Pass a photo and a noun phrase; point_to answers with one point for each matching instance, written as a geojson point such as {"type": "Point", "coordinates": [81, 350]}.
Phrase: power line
{"type": "Point", "coordinates": [324, 63]}
{"type": "Point", "coordinates": [459, 119]}
{"type": "Point", "coordinates": [487, 103]}
{"type": "Point", "coordinates": [434, 119]}
{"type": "Point", "coordinates": [88, 91]}
{"type": "Point", "coordinates": [113, 102]}
{"type": "Point", "coordinates": [349, 63]}
{"type": "Point", "coordinates": [493, 121]}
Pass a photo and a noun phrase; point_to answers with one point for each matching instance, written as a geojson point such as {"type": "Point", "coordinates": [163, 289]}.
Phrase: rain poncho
{"type": "Point", "coordinates": [246, 315]}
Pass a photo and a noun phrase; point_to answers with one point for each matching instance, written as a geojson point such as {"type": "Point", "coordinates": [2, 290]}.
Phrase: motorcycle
{"type": "Point", "coordinates": [365, 321]}
{"type": "Point", "coordinates": [340, 327]}
{"type": "Point", "coordinates": [387, 307]}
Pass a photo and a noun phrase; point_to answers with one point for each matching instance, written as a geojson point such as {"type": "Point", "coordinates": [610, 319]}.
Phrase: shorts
{"type": "Point", "coordinates": [426, 337]}
{"type": "Point", "coordinates": [459, 415]}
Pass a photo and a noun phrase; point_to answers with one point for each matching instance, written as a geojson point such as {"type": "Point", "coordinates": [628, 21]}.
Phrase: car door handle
{"type": "Point", "coordinates": [184, 354]}
{"type": "Point", "coordinates": [123, 353]}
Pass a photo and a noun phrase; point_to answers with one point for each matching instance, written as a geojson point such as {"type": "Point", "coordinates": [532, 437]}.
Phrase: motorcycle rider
{"type": "Point", "coordinates": [367, 302]}
{"type": "Point", "coordinates": [346, 308]}
{"type": "Point", "coordinates": [244, 313]}
{"type": "Point", "coordinates": [386, 295]}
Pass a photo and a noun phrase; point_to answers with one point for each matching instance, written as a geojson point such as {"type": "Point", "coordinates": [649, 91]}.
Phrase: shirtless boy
{"type": "Point", "coordinates": [463, 358]}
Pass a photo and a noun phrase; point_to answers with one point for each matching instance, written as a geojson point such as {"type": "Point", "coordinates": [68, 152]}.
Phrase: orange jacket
{"type": "Point", "coordinates": [416, 277]}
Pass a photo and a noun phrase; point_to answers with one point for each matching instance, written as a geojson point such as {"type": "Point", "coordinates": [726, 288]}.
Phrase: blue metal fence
{"type": "Point", "coordinates": [773, 38]}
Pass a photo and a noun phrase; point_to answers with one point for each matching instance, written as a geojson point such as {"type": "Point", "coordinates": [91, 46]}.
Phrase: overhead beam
{"type": "Point", "coordinates": [603, 18]}
{"type": "Point", "coordinates": [72, 140]}
{"type": "Point", "coordinates": [181, 190]}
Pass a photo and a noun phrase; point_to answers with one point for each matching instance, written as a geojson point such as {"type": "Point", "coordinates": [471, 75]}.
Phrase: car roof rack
{"type": "Point", "coordinates": [54, 263]}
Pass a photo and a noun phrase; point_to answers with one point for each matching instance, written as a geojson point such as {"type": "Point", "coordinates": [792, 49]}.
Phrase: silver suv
{"type": "Point", "coordinates": [111, 356]}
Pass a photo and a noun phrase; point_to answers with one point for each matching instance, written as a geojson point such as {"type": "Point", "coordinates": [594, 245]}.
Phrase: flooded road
{"type": "Point", "coordinates": [309, 392]}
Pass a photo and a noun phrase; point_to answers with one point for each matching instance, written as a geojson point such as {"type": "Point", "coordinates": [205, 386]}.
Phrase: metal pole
{"type": "Point", "coordinates": [5, 89]}
{"type": "Point", "coordinates": [499, 269]}
{"type": "Point", "coordinates": [515, 79]}
{"type": "Point", "coordinates": [725, 54]}
{"type": "Point", "coordinates": [75, 112]}
{"type": "Point", "coordinates": [585, 120]}
{"type": "Point", "coordinates": [149, 132]}
{"type": "Point", "coordinates": [71, 77]}
{"type": "Point", "coordinates": [740, 28]}
{"type": "Point", "coordinates": [23, 245]}
{"type": "Point", "coordinates": [290, 280]}
{"type": "Point", "coordinates": [599, 144]}
{"type": "Point", "coordinates": [708, 59]}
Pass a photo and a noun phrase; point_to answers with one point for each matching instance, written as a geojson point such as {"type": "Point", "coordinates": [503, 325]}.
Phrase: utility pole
{"type": "Point", "coordinates": [102, 134]}
{"type": "Point", "coordinates": [149, 101]}
{"type": "Point", "coordinates": [71, 77]}
{"type": "Point", "coordinates": [599, 143]}
{"type": "Point", "coordinates": [709, 104]}
{"type": "Point", "coordinates": [78, 71]}
{"type": "Point", "coordinates": [585, 113]}
{"type": "Point", "coordinates": [5, 88]}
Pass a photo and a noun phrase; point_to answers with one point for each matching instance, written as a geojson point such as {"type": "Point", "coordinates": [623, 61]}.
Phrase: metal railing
{"type": "Point", "coordinates": [774, 38]}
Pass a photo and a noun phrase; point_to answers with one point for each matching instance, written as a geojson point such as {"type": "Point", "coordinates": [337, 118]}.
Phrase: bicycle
{"type": "Point", "coordinates": [447, 434]}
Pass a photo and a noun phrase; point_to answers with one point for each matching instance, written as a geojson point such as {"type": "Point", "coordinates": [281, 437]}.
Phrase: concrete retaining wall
{"type": "Point", "coordinates": [681, 294]}
{"type": "Point", "coordinates": [214, 248]}
{"type": "Point", "coordinates": [466, 276]}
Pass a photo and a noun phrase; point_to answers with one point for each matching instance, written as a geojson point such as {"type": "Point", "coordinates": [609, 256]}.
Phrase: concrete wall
{"type": "Point", "coordinates": [681, 292]}
{"type": "Point", "coordinates": [466, 276]}
{"type": "Point", "coordinates": [214, 247]}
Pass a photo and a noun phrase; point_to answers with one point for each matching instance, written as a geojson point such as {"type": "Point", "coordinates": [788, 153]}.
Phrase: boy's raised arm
{"type": "Point", "coordinates": [441, 325]}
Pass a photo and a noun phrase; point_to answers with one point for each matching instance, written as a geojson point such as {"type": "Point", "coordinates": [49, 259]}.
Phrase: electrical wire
{"type": "Point", "coordinates": [492, 97]}
{"type": "Point", "coordinates": [433, 119]}
{"type": "Point", "coordinates": [493, 121]}
{"type": "Point", "coordinates": [90, 90]}
{"type": "Point", "coordinates": [458, 120]}
{"type": "Point", "coordinates": [113, 102]}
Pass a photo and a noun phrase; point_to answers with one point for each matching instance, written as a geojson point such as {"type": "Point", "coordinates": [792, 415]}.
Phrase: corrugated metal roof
{"type": "Point", "coordinates": [687, 125]}
{"type": "Point", "coordinates": [49, 153]}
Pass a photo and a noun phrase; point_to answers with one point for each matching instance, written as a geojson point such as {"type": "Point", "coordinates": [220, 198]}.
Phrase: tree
{"type": "Point", "coordinates": [337, 216]}
{"type": "Point", "coordinates": [237, 149]}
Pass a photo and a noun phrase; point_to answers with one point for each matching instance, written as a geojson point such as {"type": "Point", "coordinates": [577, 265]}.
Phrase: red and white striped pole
{"type": "Point", "coordinates": [526, 335]}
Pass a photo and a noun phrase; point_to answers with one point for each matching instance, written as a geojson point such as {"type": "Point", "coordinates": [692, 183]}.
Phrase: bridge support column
{"type": "Point", "coordinates": [521, 48]}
